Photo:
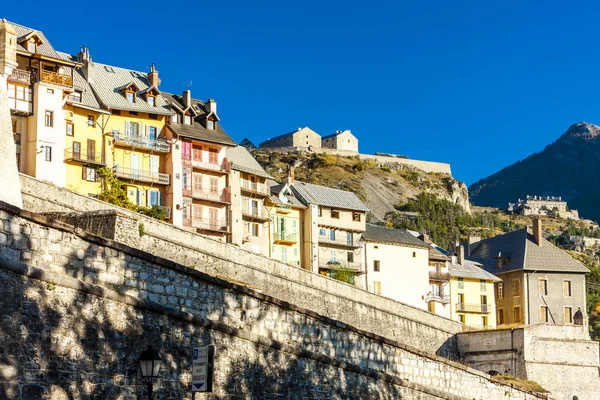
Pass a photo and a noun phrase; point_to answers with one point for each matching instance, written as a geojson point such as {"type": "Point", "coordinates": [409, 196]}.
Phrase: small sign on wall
{"type": "Point", "coordinates": [203, 359]}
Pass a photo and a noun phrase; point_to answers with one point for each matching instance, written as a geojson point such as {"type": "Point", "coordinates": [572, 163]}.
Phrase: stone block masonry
{"type": "Point", "coordinates": [79, 309]}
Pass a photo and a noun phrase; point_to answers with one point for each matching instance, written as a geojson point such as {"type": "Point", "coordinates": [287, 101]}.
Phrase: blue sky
{"type": "Point", "coordinates": [477, 84]}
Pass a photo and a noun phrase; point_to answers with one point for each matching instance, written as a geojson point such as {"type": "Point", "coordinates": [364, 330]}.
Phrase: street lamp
{"type": "Point", "coordinates": [149, 365]}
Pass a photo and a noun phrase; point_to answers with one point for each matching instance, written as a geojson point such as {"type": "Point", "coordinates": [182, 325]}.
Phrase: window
{"type": "Point", "coordinates": [461, 283]}
{"type": "Point", "coordinates": [482, 285]}
{"type": "Point", "coordinates": [461, 300]}
{"type": "Point", "coordinates": [187, 120]}
{"type": "Point", "coordinates": [197, 152]}
{"type": "Point", "coordinates": [49, 118]}
{"type": "Point", "coordinates": [349, 240]}
{"type": "Point", "coordinates": [335, 214]}
{"type": "Point", "coordinates": [484, 321]}
{"type": "Point", "coordinates": [48, 153]}
{"type": "Point", "coordinates": [322, 232]}
{"type": "Point", "coordinates": [414, 254]}
{"type": "Point", "coordinates": [132, 128]}
{"type": "Point", "coordinates": [500, 290]}
{"type": "Point", "coordinates": [332, 256]}
{"type": "Point", "coordinates": [50, 91]}
{"type": "Point", "coordinates": [196, 212]}
{"type": "Point", "coordinates": [568, 311]}
{"type": "Point", "coordinates": [91, 121]}
{"type": "Point", "coordinates": [213, 156]}
{"type": "Point", "coordinates": [132, 112]}
{"type": "Point", "coordinates": [350, 257]}
{"type": "Point", "coordinates": [152, 116]}
{"type": "Point", "coordinates": [116, 112]}
{"type": "Point", "coordinates": [500, 317]}
{"type": "Point", "coordinates": [151, 101]}
{"type": "Point", "coordinates": [543, 287]}
{"type": "Point", "coordinates": [376, 266]}
{"type": "Point", "coordinates": [516, 287]}
{"type": "Point", "coordinates": [332, 234]}
{"type": "Point", "coordinates": [320, 211]}
{"type": "Point", "coordinates": [431, 306]}
{"type": "Point", "coordinates": [355, 216]}
{"type": "Point", "coordinates": [462, 319]}
{"type": "Point", "coordinates": [210, 124]}
{"type": "Point", "coordinates": [255, 230]}
{"type": "Point", "coordinates": [70, 129]}
{"type": "Point", "coordinates": [75, 96]}
{"type": "Point", "coordinates": [89, 174]}
{"type": "Point", "coordinates": [187, 209]}
{"type": "Point", "coordinates": [174, 119]}
{"type": "Point", "coordinates": [517, 314]}
{"type": "Point", "coordinates": [153, 198]}
{"type": "Point", "coordinates": [151, 132]}
{"type": "Point", "coordinates": [196, 182]}
{"type": "Point", "coordinates": [214, 186]}
{"type": "Point", "coordinates": [377, 287]}
{"type": "Point", "coordinates": [567, 289]}
{"type": "Point", "coordinates": [543, 314]}
{"type": "Point", "coordinates": [131, 97]}
{"type": "Point", "coordinates": [31, 47]}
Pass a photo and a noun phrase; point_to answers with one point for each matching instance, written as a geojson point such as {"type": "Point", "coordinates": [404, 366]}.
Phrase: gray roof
{"type": "Point", "coordinates": [292, 133]}
{"type": "Point", "coordinates": [88, 98]}
{"type": "Point", "coordinates": [472, 270]}
{"type": "Point", "coordinates": [241, 160]}
{"type": "Point", "coordinates": [522, 253]}
{"type": "Point", "coordinates": [197, 130]}
{"type": "Point", "coordinates": [276, 188]}
{"type": "Point", "coordinates": [324, 196]}
{"type": "Point", "coordinates": [44, 49]}
{"type": "Point", "coordinates": [106, 81]}
{"type": "Point", "coordinates": [381, 234]}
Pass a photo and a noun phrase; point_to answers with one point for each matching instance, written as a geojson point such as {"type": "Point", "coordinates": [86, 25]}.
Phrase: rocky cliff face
{"type": "Point", "coordinates": [379, 187]}
{"type": "Point", "coordinates": [568, 168]}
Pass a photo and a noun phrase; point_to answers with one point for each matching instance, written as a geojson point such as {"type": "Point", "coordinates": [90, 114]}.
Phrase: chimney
{"type": "Point", "coordinates": [84, 57]}
{"type": "Point", "coordinates": [472, 244]}
{"type": "Point", "coordinates": [461, 254]}
{"type": "Point", "coordinates": [8, 48]}
{"type": "Point", "coordinates": [537, 231]}
{"type": "Point", "coordinates": [187, 98]}
{"type": "Point", "coordinates": [153, 76]}
{"type": "Point", "coordinates": [425, 237]}
{"type": "Point", "coordinates": [289, 179]}
{"type": "Point", "coordinates": [211, 106]}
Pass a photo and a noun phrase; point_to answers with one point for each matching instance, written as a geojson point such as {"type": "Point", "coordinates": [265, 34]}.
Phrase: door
{"type": "Point", "coordinates": [135, 165]}
{"type": "Point", "coordinates": [154, 167]}
{"type": "Point", "coordinates": [91, 150]}
{"type": "Point", "coordinates": [76, 150]}
{"type": "Point", "coordinates": [214, 218]}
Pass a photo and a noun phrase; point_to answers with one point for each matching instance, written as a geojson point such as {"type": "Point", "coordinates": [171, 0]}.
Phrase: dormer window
{"type": "Point", "coordinates": [31, 47]}
{"type": "Point", "coordinates": [210, 124]}
{"type": "Point", "coordinates": [187, 120]}
{"type": "Point", "coordinates": [130, 97]}
{"type": "Point", "coordinates": [150, 100]}
{"type": "Point", "coordinates": [174, 119]}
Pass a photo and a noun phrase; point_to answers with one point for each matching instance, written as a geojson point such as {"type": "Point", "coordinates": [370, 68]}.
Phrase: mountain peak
{"type": "Point", "coordinates": [583, 130]}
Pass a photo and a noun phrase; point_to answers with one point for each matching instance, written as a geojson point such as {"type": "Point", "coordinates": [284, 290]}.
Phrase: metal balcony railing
{"type": "Point", "coordinates": [56, 78]}
{"type": "Point", "coordinates": [85, 156]}
{"type": "Point", "coordinates": [254, 187]}
{"type": "Point", "coordinates": [18, 75]}
{"type": "Point", "coordinates": [208, 224]}
{"type": "Point", "coordinates": [285, 238]}
{"type": "Point", "coordinates": [221, 196]}
{"type": "Point", "coordinates": [473, 307]}
{"type": "Point", "coordinates": [254, 212]}
{"type": "Point", "coordinates": [353, 266]}
{"type": "Point", "coordinates": [444, 299]}
{"type": "Point", "coordinates": [143, 142]}
{"type": "Point", "coordinates": [142, 175]}
{"type": "Point", "coordinates": [439, 276]}
{"type": "Point", "coordinates": [340, 240]}
{"type": "Point", "coordinates": [207, 164]}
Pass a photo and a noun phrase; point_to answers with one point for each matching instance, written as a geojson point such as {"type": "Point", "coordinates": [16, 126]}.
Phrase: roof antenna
{"type": "Point", "coordinates": [187, 85]}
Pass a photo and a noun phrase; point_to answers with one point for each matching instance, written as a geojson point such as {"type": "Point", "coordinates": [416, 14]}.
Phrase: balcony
{"type": "Point", "coordinates": [331, 265]}
{"type": "Point", "coordinates": [439, 276]}
{"type": "Point", "coordinates": [254, 187]}
{"type": "Point", "coordinates": [257, 213]}
{"type": "Point", "coordinates": [142, 142]}
{"type": "Point", "coordinates": [285, 238]}
{"type": "Point", "coordinates": [142, 175]}
{"type": "Point", "coordinates": [217, 196]}
{"type": "Point", "coordinates": [18, 75]}
{"type": "Point", "coordinates": [56, 78]}
{"type": "Point", "coordinates": [338, 242]}
{"type": "Point", "coordinates": [473, 308]}
{"type": "Point", "coordinates": [21, 107]}
{"type": "Point", "coordinates": [84, 156]}
{"type": "Point", "coordinates": [444, 299]}
{"type": "Point", "coordinates": [207, 224]}
{"type": "Point", "coordinates": [208, 165]}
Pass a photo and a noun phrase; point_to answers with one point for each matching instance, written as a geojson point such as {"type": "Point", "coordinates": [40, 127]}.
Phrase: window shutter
{"type": "Point", "coordinates": [127, 128]}
{"type": "Point", "coordinates": [159, 198]}
{"type": "Point", "coordinates": [84, 173]}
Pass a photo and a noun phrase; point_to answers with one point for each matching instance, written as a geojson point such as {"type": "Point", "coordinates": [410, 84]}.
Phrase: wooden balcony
{"type": "Point", "coordinates": [437, 276]}
{"type": "Point", "coordinates": [142, 142]}
{"type": "Point", "coordinates": [18, 75]}
{"type": "Point", "coordinates": [142, 175]}
{"type": "Point", "coordinates": [285, 238]}
{"type": "Point", "coordinates": [56, 78]}
{"type": "Point", "coordinates": [473, 308]}
{"type": "Point", "coordinates": [255, 188]}
{"type": "Point", "coordinates": [217, 196]}
{"type": "Point", "coordinates": [85, 157]}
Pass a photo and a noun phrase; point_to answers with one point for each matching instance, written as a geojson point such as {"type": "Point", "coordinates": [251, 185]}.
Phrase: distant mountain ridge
{"type": "Point", "coordinates": [569, 167]}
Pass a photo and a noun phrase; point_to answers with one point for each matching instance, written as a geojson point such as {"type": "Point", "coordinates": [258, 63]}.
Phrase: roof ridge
{"type": "Point", "coordinates": [124, 69]}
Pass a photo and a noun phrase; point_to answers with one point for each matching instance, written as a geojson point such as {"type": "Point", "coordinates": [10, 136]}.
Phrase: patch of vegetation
{"type": "Point", "coordinates": [343, 274]}
{"type": "Point", "coordinates": [521, 383]}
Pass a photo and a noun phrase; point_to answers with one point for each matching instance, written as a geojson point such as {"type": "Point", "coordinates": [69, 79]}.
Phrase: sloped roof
{"type": "Point", "coordinates": [521, 252]}
{"type": "Point", "coordinates": [88, 98]}
{"type": "Point", "coordinates": [45, 49]}
{"type": "Point", "coordinates": [106, 80]}
{"type": "Point", "coordinates": [197, 130]}
{"type": "Point", "coordinates": [472, 270]}
{"type": "Point", "coordinates": [337, 134]}
{"type": "Point", "coordinates": [324, 196]}
{"type": "Point", "coordinates": [381, 234]}
{"type": "Point", "coordinates": [286, 135]}
{"type": "Point", "coordinates": [241, 160]}
{"type": "Point", "coordinates": [276, 188]}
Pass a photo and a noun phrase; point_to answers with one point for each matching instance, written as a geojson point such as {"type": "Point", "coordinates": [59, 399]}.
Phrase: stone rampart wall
{"type": "Point", "coordinates": [81, 308]}
{"type": "Point", "coordinates": [398, 163]}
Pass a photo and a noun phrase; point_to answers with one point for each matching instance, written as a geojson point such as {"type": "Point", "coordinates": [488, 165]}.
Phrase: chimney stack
{"type": "Point", "coordinates": [153, 76]}
{"type": "Point", "coordinates": [289, 179]}
{"type": "Point", "coordinates": [537, 231]}
{"type": "Point", "coordinates": [84, 57]}
{"type": "Point", "coordinates": [187, 98]}
{"type": "Point", "coordinates": [461, 254]}
{"type": "Point", "coordinates": [8, 48]}
{"type": "Point", "coordinates": [211, 106]}
{"type": "Point", "coordinates": [425, 237]}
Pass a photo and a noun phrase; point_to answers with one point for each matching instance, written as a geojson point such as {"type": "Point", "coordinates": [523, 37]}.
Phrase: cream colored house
{"type": "Point", "coordinates": [300, 138]}
{"type": "Point", "coordinates": [249, 190]}
{"type": "Point", "coordinates": [341, 140]}
{"type": "Point", "coordinates": [332, 225]}
{"type": "Point", "coordinates": [396, 265]}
